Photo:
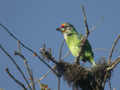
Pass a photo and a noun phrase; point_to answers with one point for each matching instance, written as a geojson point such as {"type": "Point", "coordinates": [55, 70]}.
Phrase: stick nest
{"type": "Point", "coordinates": [83, 77]}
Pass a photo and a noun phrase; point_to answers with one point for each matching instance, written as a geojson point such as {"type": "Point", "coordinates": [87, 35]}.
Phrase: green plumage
{"type": "Point", "coordinates": [73, 41]}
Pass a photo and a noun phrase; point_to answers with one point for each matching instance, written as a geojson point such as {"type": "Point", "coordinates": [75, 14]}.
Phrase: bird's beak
{"type": "Point", "coordinates": [58, 29]}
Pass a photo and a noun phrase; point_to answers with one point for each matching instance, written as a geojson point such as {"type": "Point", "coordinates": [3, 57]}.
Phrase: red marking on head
{"type": "Point", "coordinates": [62, 25]}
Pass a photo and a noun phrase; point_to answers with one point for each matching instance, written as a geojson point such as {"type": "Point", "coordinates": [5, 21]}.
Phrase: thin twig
{"type": "Point", "coordinates": [28, 69]}
{"type": "Point", "coordinates": [60, 50]}
{"type": "Point", "coordinates": [46, 53]}
{"type": "Point", "coordinates": [59, 82]}
{"type": "Point", "coordinates": [12, 35]}
{"type": "Point", "coordinates": [112, 49]}
{"type": "Point", "coordinates": [85, 22]}
{"type": "Point", "coordinates": [111, 67]}
{"type": "Point", "coordinates": [48, 65]}
{"type": "Point", "coordinates": [45, 75]}
{"type": "Point", "coordinates": [109, 84]}
{"type": "Point", "coordinates": [17, 81]}
{"type": "Point", "coordinates": [19, 47]}
{"type": "Point", "coordinates": [17, 66]}
{"type": "Point", "coordinates": [26, 47]}
{"type": "Point", "coordinates": [84, 38]}
{"type": "Point", "coordinates": [114, 64]}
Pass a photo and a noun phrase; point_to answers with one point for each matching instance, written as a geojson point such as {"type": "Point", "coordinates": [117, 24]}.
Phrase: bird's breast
{"type": "Point", "coordinates": [73, 45]}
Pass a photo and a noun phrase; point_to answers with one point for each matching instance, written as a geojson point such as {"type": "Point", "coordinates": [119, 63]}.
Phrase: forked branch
{"type": "Point", "coordinates": [114, 64]}
{"type": "Point", "coordinates": [27, 68]}
{"type": "Point", "coordinates": [112, 49]}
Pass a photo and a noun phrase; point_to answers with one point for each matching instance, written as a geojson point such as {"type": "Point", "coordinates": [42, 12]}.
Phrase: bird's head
{"type": "Point", "coordinates": [66, 28]}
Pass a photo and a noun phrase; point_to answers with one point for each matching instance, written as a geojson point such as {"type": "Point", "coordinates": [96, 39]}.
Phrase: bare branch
{"type": "Point", "coordinates": [85, 22]}
{"type": "Point", "coordinates": [19, 47]}
{"type": "Point", "coordinates": [14, 37]}
{"type": "Point", "coordinates": [109, 69]}
{"type": "Point", "coordinates": [112, 49]}
{"type": "Point", "coordinates": [109, 84]}
{"type": "Point", "coordinates": [28, 69]}
{"type": "Point", "coordinates": [17, 81]}
{"type": "Point", "coordinates": [114, 64]}
{"type": "Point", "coordinates": [17, 66]}
{"type": "Point", "coordinates": [45, 75]}
{"type": "Point", "coordinates": [84, 38]}
{"type": "Point", "coordinates": [60, 50]}
{"type": "Point", "coordinates": [26, 47]}
{"type": "Point", "coordinates": [59, 79]}
{"type": "Point", "coordinates": [47, 55]}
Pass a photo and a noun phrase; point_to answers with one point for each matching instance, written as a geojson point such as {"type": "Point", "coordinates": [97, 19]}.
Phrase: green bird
{"type": "Point", "coordinates": [73, 40]}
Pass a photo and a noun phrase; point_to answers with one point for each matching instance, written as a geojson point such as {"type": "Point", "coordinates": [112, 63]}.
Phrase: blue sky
{"type": "Point", "coordinates": [35, 21]}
